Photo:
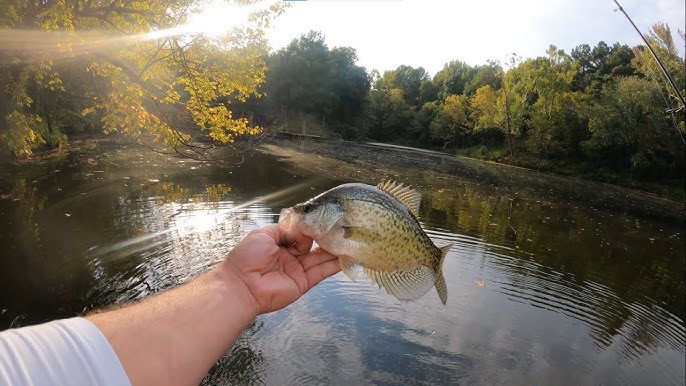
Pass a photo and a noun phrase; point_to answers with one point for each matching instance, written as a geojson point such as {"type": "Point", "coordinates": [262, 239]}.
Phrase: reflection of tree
{"type": "Point", "coordinates": [597, 268]}
{"type": "Point", "coordinates": [216, 192]}
{"type": "Point", "coordinates": [170, 192]}
{"type": "Point", "coordinates": [23, 242]}
{"type": "Point", "coordinates": [241, 365]}
{"type": "Point", "coordinates": [30, 202]}
{"type": "Point", "coordinates": [36, 280]}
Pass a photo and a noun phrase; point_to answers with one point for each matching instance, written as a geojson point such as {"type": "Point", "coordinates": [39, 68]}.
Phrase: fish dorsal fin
{"type": "Point", "coordinates": [408, 196]}
{"type": "Point", "coordinates": [407, 284]}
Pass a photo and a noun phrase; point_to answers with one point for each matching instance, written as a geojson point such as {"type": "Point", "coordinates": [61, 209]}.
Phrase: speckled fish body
{"type": "Point", "coordinates": [375, 228]}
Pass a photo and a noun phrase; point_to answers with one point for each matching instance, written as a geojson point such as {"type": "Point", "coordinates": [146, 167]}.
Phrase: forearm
{"type": "Point", "coordinates": [193, 326]}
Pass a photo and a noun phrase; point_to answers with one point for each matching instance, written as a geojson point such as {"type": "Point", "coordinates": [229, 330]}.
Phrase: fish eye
{"type": "Point", "coordinates": [308, 208]}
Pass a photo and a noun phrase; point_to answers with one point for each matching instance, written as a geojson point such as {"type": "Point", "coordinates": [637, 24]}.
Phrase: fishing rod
{"type": "Point", "coordinates": [659, 62]}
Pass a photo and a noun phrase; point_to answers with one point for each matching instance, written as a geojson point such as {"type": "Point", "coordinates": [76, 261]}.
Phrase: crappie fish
{"type": "Point", "coordinates": [375, 228]}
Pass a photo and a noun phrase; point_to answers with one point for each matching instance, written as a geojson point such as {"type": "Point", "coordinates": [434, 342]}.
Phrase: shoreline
{"type": "Point", "coordinates": [389, 157]}
{"type": "Point", "coordinates": [345, 160]}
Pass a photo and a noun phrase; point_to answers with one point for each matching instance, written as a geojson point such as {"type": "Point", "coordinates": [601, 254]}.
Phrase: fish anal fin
{"type": "Point", "coordinates": [405, 194]}
{"type": "Point", "coordinates": [348, 267]}
{"type": "Point", "coordinates": [405, 285]}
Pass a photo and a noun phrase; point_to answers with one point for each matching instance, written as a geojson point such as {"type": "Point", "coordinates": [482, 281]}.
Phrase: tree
{"type": "Point", "coordinates": [630, 131]}
{"type": "Point", "coordinates": [597, 66]}
{"type": "Point", "coordinates": [300, 77]}
{"type": "Point", "coordinates": [351, 84]}
{"type": "Point", "coordinates": [307, 77]}
{"type": "Point", "coordinates": [411, 81]}
{"type": "Point", "coordinates": [127, 67]}
{"type": "Point", "coordinates": [421, 125]}
{"type": "Point", "coordinates": [662, 42]}
{"type": "Point", "coordinates": [428, 92]}
{"type": "Point", "coordinates": [491, 74]}
{"type": "Point", "coordinates": [502, 109]}
{"type": "Point", "coordinates": [552, 117]}
{"type": "Point", "coordinates": [390, 115]}
{"type": "Point", "coordinates": [450, 121]}
{"type": "Point", "coordinates": [453, 78]}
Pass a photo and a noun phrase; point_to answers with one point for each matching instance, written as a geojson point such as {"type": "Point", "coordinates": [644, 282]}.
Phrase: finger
{"type": "Point", "coordinates": [315, 257]}
{"type": "Point", "coordinates": [271, 230]}
{"type": "Point", "coordinates": [291, 237]}
{"type": "Point", "coordinates": [319, 272]}
{"type": "Point", "coordinates": [302, 245]}
{"type": "Point", "coordinates": [285, 236]}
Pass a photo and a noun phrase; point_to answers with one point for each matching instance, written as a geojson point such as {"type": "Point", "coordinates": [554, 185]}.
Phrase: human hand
{"type": "Point", "coordinates": [278, 267]}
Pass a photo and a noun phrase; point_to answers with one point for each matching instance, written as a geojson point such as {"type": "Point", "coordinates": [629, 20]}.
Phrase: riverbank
{"type": "Point", "coordinates": [348, 161]}
{"type": "Point", "coordinates": [345, 160]}
{"type": "Point", "coordinates": [671, 189]}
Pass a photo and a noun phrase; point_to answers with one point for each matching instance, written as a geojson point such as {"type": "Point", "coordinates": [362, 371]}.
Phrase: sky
{"type": "Point", "coordinates": [430, 33]}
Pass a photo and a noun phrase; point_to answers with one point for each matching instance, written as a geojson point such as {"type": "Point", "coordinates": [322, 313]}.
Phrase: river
{"type": "Point", "coordinates": [551, 280]}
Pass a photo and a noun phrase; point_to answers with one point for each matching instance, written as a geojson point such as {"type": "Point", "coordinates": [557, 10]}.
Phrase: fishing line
{"type": "Point", "coordinates": [672, 111]}
{"type": "Point", "coordinates": [662, 67]}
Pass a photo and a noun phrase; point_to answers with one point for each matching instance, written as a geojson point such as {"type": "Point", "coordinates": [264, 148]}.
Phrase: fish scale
{"type": "Point", "coordinates": [375, 228]}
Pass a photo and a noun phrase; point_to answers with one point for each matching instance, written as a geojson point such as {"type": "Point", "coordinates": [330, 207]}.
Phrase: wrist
{"type": "Point", "coordinates": [236, 290]}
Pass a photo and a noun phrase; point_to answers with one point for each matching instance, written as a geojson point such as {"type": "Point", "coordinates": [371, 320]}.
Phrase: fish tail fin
{"type": "Point", "coordinates": [440, 280]}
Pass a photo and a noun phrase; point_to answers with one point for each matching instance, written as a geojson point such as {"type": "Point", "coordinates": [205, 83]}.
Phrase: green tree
{"type": "Point", "coordinates": [553, 124]}
{"type": "Point", "coordinates": [307, 77]}
{"type": "Point", "coordinates": [453, 78]}
{"type": "Point", "coordinates": [395, 100]}
{"type": "Point", "coordinates": [630, 131]}
{"type": "Point", "coordinates": [351, 85]}
{"type": "Point", "coordinates": [421, 125]}
{"type": "Point", "coordinates": [411, 81]}
{"type": "Point", "coordinates": [600, 65]}
{"type": "Point", "coordinates": [450, 121]}
{"type": "Point", "coordinates": [390, 115]}
{"type": "Point", "coordinates": [503, 109]}
{"type": "Point", "coordinates": [300, 77]}
{"type": "Point", "coordinates": [662, 42]}
{"type": "Point", "coordinates": [428, 91]}
{"type": "Point", "coordinates": [491, 74]}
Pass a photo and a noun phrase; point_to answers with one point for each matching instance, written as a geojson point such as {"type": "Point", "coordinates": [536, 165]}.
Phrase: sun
{"type": "Point", "coordinates": [213, 19]}
{"type": "Point", "coordinates": [217, 17]}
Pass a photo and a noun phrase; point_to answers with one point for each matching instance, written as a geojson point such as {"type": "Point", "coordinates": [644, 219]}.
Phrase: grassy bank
{"type": "Point", "coordinates": [670, 189]}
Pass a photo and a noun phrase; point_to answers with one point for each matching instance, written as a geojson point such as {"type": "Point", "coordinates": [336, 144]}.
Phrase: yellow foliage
{"type": "Point", "coordinates": [21, 135]}
{"type": "Point", "coordinates": [145, 82]}
{"type": "Point", "coordinates": [57, 17]}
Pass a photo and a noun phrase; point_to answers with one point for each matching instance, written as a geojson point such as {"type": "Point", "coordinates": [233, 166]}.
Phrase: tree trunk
{"type": "Point", "coordinates": [508, 128]}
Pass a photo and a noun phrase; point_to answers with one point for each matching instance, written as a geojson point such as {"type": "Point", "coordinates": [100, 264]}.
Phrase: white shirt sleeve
{"type": "Point", "coordinates": [63, 352]}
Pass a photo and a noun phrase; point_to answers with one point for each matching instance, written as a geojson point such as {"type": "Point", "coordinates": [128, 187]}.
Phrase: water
{"type": "Point", "coordinates": [547, 283]}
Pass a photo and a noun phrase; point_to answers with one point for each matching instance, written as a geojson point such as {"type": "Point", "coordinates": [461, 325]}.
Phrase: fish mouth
{"type": "Point", "coordinates": [288, 218]}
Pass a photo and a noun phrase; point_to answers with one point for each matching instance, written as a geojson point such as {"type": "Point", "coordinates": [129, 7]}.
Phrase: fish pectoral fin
{"type": "Point", "coordinates": [406, 285]}
{"type": "Point", "coordinates": [360, 234]}
{"type": "Point", "coordinates": [349, 268]}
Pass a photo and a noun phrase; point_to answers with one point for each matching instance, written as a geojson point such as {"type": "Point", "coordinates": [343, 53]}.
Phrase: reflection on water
{"type": "Point", "coordinates": [542, 289]}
